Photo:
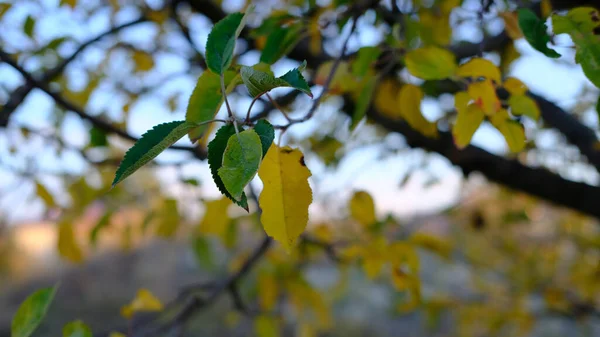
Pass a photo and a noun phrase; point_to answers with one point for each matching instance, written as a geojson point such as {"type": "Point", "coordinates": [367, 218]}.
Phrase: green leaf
{"type": "Point", "coordinates": [365, 58]}
{"type": "Point", "coordinates": [150, 145]}
{"type": "Point", "coordinates": [31, 312]}
{"type": "Point", "coordinates": [29, 25]}
{"type": "Point", "coordinates": [102, 223]}
{"type": "Point", "coordinates": [216, 148]}
{"type": "Point", "coordinates": [582, 25]}
{"type": "Point", "coordinates": [221, 42]}
{"type": "Point", "coordinates": [280, 41]}
{"type": "Point", "coordinates": [76, 329]}
{"type": "Point", "coordinates": [97, 137]}
{"type": "Point", "coordinates": [206, 100]}
{"type": "Point", "coordinates": [363, 102]}
{"type": "Point", "coordinates": [266, 132]}
{"type": "Point", "coordinates": [259, 82]}
{"type": "Point", "coordinates": [240, 161]}
{"type": "Point", "coordinates": [203, 252]}
{"type": "Point", "coordinates": [535, 32]}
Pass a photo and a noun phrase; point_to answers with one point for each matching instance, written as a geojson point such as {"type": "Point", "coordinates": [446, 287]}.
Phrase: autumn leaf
{"type": "Point", "coordinates": [68, 247]}
{"type": "Point", "coordinates": [286, 194]}
{"type": "Point", "coordinates": [144, 301]}
{"type": "Point", "coordinates": [484, 95]}
{"type": "Point", "coordinates": [409, 99]}
{"type": "Point", "coordinates": [362, 208]}
{"type": "Point", "coordinates": [469, 117]}
{"type": "Point", "coordinates": [430, 63]}
{"type": "Point", "coordinates": [514, 86]}
{"type": "Point", "coordinates": [479, 67]}
{"type": "Point", "coordinates": [524, 105]}
{"type": "Point", "coordinates": [215, 219]}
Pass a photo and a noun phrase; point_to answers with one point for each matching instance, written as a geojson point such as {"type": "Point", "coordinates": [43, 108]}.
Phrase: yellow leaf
{"type": "Point", "coordinates": [215, 220]}
{"type": "Point", "coordinates": [322, 233]}
{"type": "Point", "coordinates": [509, 54]}
{"type": "Point", "coordinates": [169, 219]}
{"type": "Point", "coordinates": [268, 291]}
{"type": "Point", "coordinates": [514, 86]}
{"type": "Point", "coordinates": [430, 63]}
{"type": "Point", "coordinates": [410, 98]}
{"type": "Point", "coordinates": [266, 326]}
{"type": "Point", "coordinates": [400, 279]}
{"type": "Point", "coordinates": [286, 194]}
{"type": "Point", "coordinates": [484, 95]}
{"type": "Point", "coordinates": [70, 3]}
{"type": "Point", "coordinates": [116, 334]}
{"type": "Point", "coordinates": [362, 208]}
{"type": "Point", "coordinates": [469, 117]}
{"type": "Point", "coordinates": [433, 243]}
{"type": "Point", "coordinates": [143, 301]}
{"type": "Point", "coordinates": [43, 193]}
{"type": "Point", "coordinates": [352, 252]}
{"type": "Point", "coordinates": [513, 132]}
{"type": "Point", "coordinates": [511, 25]}
{"type": "Point", "coordinates": [479, 67]}
{"type": "Point", "coordinates": [524, 105]}
{"type": "Point", "coordinates": [343, 81]}
{"type": "Point", "coordinates": [159, 17]}
{"type": "Point", "coordinates": [314, 31]}
{"type": "Point", "coordinates": [546, 8]}
{"type": "Point", "coordinates": [306, 330]}
{"type": "Point", "coordinates": [435, 27]}
{"type": "Point", "coordinates": [143, 61]}
{"type": "Point", "coordinates": [386, 98]}
{"type": "Point", "coordinates": [67, 244]}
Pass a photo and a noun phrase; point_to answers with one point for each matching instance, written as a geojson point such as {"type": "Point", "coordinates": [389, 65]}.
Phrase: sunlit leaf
{"type": "Point", "coordinates": [286, 194]}
{"type": "Point", "coordinates": [524, 105]}
{"type": "Point", "coordinates": [484, 95]}
{"type": "Point", "coordinates": [31, 312]}
{"type": "Point", "coordinates": [479, 67]}
{"type": "Point", "coordinates": [150, 145]}
{"type": "Point", "coordinates": [514, 86]}
{"type": "Point", "coordinates": [469, 117]}
{"type": "Point", "coordinates": [513, 132]}
{"type": "Point", "coordinates": [241, 159]}
{"type": "Point", "coordinates": [430, 63]}
{"type": "Point", "coordinates": [206, 100]}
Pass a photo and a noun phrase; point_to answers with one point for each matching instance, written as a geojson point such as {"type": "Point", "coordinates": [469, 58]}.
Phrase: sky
{"type": "Point", "coordinates": [438, 187]}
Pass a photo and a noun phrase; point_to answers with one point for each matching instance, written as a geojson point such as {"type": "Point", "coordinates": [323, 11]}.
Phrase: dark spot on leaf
{"type": "Point", "coordinates": [597, 30]}
{"type": "Point", "coordinates": [287, 150]}
{"type": "Point", "coordinates": [302, 161]}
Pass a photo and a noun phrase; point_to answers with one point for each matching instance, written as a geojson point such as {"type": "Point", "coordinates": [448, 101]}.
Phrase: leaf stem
{"type": "Point", "coordinates": [229, 111]}
{"type": "Point", "coordinates": [250, 109]}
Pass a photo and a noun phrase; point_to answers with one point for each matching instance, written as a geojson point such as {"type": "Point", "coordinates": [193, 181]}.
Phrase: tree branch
{"type": "Point", "coordinates": [19, 94]}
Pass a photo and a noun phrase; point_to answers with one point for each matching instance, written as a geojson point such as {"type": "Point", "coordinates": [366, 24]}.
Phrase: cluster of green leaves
{"type": "Point", "coordinates": [581, 23]}
{"type": "Point", "coordinates": [237, 154]}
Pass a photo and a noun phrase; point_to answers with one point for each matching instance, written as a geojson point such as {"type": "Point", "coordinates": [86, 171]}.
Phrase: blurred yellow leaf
{"type": "Point", "coordinates": [513, 132]}
{"type": "Point", "coordinates": [484, 95]}
{"type": "Point", "coordinates": [386, 99]}
{"type": "Point", "coordinates": [435, 244]}
{"type": "Point", "coordinates": [4, 7]}
{"type": "Point", "coordinates": [362, 208]}
{"type": "Point", "coordinates": [286, 194]}
{"type": "Point", "coordinates": [143, 61]}
{"type": "Point", "coordinates": [511, 25]}
{"type": "Point", "coordinates": [159, 17]}
{"type": "Point", "coordinates": [169, 219]}
{"type": "Point", "coordinates": [43, 193]}
{"type": "Point", "coordinates": [322, 233]}
{"type": "Point", "coordinates": [268, 291]}
{"type": "Point", "coordinates": [343, 81]}
{"type": "Point", "coordinates": [400, 279]}
{"type": "Point", "coordinates": [509, 55]}
{"type": "Point", "coordinates": [546, 8]}
{"type": "Point", "coordinates": [314, 32]}
{"type": "Point", "coordinates": [70, 3]}
{"type": "Point", "coordinates": [469, 117]}
{"type": "Point", "coordinates": [479, 67]}
{"type": "Point", "coordinates": [524, 105]}
{"type": "Point", "coordinates": [514, 86]}
{"type": "Point", "coordinates": [68, 247]}
{"type": "Point", "coordinates": [215, 220]}
{"type": "Point", "coordinates": [430, 63]}
{"type": "Point", "coordinates": [410, 98]}
{"type": "Point", "coordinates": [144, 301]}
{"type": "Point", "coordinates": [116, 334]}
{"type": "Point", "coordinates": [266, 326]}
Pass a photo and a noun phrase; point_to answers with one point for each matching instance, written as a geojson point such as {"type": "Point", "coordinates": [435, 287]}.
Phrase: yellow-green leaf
{"type": "Point", "coordinates": [144, 301]}
{"type": "Point", "coordinates": [515, 86]}
{"type": "Point", "coordinates": [484, 95]}
{"type": "Point", "coordinates": [513, 132]}
{"type": "Point", "coordinates": [143, 61]}
{"type": "Point", "coordinates": [410, 98]}
{"type": "Point", "coordinates": [479, 67]}
{"type": "Point", "coordinates": [286, 194]}
{"type": "Point", "coordinates": [362, 208]}
{"type": "Point", "coordinates": [215, 220]}
{"type": "Point", "coordinates": [76, 329]}
{"type": "Point", "coordinates": [169, 219]}
{"type": "Point", "coordinates": [43, 193]}
{"type": "Point", "coordinates": [68, 247]}
{"type": "Point", "coordinates": [431, 63]}
{"type": "Point", "coordinates": [31, 312]}
{"type": "Point", "coordinates": [469, 117]}
{"type": "Point", "coordinates": [266, 326]}
{"type": "Point", "coordinates": [524, 105]}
